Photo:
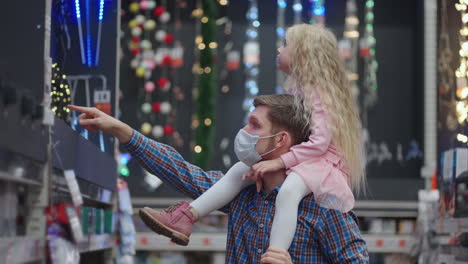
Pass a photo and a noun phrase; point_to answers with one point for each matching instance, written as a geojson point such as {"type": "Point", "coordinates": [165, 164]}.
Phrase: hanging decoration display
{"type": "Point", "coordinates": [317, 12]}
{"type": "Point", "coordinates": [349, 45]}
{"type": "Point", "coordinates": [280, 35]}
{"type": "Point", "coordinates": [90, 37]}
{"type": "Point", "coordinates": [206, 89]}
{"type": "Point", "coordinates": [461, 73]}
{"type": "Point", "coordinates": [297, 9]}
{"type": "Point", "coordinates": [155, 57]}
{"type": "Point", "coordinates": [60, 93]}
{"type": "Point", "coordinates": [232, 63]}
{"type": "Point", "coordinates": [367, 51]}
{"type": "Point", "coordinates": [251, 57]}
{"type": "Point", "coordinates": [446, 76]}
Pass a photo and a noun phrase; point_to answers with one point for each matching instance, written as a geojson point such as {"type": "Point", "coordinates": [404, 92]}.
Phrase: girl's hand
{"type": "Point", "coordinates": [258, 171]}
{"type": "Point", "coordinates": [266, 166]}
{"type": "Point", "coordinates": [258, 181]}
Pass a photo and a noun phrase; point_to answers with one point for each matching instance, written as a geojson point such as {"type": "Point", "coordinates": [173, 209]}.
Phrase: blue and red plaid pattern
{"type": "Point", "coordinates": [322, 235]}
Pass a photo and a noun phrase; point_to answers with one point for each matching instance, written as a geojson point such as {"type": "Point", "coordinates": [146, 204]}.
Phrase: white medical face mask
{"type": "Point", "coordinates": [244, 147]}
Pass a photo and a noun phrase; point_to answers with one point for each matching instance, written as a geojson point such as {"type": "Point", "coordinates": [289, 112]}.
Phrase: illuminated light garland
{"type": "Point", "coordinates": [280, 35]}
{"type": "Point", "coordinates": [349, 45]}
{"type": "Point", "coordinates": [297, 9]}
{"type": "Point", "coordinates": [317, 12]}
{"type": "Point", "coordinates": [251, 57]}
{"type": "Point", "coordinates": [205, 93]}
{"type": "Point", "coordinates": [446, 75]}
{"type": "Point", "coordinates": [462, 71]}
{"type": "Point", "coordinates": [86, 45]}
{"type": "Point", "coordinates": [367, 51]}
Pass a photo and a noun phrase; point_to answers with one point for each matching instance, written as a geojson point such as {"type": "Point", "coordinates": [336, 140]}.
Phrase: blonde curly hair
{"type": "Point", "coordinates": [317, 68]}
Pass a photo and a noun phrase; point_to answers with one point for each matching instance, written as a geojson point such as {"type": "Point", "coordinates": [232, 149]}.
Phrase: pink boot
{"type": "Point", "coordinates": [175, 222]}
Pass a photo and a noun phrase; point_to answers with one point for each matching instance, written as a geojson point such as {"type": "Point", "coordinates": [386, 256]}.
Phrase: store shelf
{"type": "Point", "coordinates": [4, 176]}
{"type": "Point", "coordinates": [97, 242]}
{"type": "Point", "coordinates": [386, 214]}
{"type": "Point", "coordinates": [389, 243]}
{"type": "Point", "coordinates": [380, 205]}
{"type": "Point", "coordinates": [452, 225]}
{"type": "Point", "coordinates": [388, 209]}
{"type": "Point", "coordinates": [198, 242]}
{"type": "Point", "coordinates": [21, 249]}
{"type": "Point", "coordinates": [217, 242]}
{"type": "Point", "coordinates": [453, 253]}
{"type": "Point", "coordinates": [444, 258]}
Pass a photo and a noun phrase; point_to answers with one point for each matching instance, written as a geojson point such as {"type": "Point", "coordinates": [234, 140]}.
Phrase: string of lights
{"type": "Point", "coordinates": [367, 51]}
{"type": "Point", "coordinates": [89, 54]}
{"type": "Point", "coordinates": [206, 91]}
{"type": "Point", "coordinates": [297, 9]}
{"type": "Point", "coordinates": [349, 45]}
{"type": "Point", "coordinates": [280, 34]}
{"type": "Point", "coordinates": [251, 57]}
{"type": "Point", "coordinates": [446, 75]}
{"type": "Point", "coordinates": [461, 73]}
{"type": "Point", "coordinates": [317, 12]}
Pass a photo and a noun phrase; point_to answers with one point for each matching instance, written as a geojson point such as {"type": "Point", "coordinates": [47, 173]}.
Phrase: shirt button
{"type": "Point", "coordinates": [261, 225]}
{"type": "Point", "coordinates": [266, 202]}
{"type": "Point", "coordinates": [259, 251]}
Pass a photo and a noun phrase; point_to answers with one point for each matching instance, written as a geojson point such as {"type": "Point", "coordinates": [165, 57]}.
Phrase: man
{"type": "Point", "coordinates": [322, 235]}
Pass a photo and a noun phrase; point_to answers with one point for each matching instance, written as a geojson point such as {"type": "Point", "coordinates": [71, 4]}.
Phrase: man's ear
{"type": "Point", "coordinates": [283, 139]}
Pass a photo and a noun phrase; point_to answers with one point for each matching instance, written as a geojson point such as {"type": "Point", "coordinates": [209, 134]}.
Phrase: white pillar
{"type": "Point", "coordinates": [430, 89]}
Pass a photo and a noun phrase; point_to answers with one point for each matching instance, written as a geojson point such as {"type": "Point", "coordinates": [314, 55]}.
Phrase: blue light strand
{"type": "Point", "coordinates": [282, 3]}
{"type": "Point", "coordinates": [98, 43]}
{"type": "Point", "coordinates": [88, 35]}
{"type": "Point", "coordinates": [101, 10]}
{"type": "Point", "coordinates": [77, 9]}
{"type": "Point", "coordinates": [88, 58]}
{"type": "Point", "coordinates": [80, 30]}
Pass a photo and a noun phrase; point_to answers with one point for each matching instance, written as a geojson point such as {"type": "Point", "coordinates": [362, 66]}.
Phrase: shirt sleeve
{"type": "Point", "coordinates": [319, 140]}
{"type": "Point", "coordinates": [341, 239]}
{"type": "Point", "coordinates": [167, 164]}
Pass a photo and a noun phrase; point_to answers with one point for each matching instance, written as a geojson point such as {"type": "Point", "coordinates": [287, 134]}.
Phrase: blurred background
{"type": "Point", "coordinates": [184, 73]}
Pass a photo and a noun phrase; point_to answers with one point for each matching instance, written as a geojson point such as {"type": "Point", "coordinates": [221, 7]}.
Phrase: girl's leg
{"type": "Point", "coordinates": [287, 202]}
{"type": "Point", "coordinates": [223, 191]}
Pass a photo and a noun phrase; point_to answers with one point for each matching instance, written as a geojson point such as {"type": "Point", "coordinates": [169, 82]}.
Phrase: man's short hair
{"type": "Point", "coordinates": [286, 112]}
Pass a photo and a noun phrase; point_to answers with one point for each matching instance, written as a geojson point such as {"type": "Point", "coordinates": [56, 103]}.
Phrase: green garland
{"type": "Point", "coordinates": [206, 87]}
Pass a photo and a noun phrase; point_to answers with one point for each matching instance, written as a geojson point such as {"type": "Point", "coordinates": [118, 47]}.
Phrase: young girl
{"type": "Point", "coordinates": [329, 165]}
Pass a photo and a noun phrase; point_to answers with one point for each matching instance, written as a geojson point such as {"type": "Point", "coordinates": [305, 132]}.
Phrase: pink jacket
{"type": "Point", "coordinates": [320, 164]}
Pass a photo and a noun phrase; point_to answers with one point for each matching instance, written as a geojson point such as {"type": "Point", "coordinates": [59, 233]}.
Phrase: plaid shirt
{"type": "Point", "coordinates": [322, 235]}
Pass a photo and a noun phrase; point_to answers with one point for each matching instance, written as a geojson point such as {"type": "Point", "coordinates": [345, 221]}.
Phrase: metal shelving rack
{"type": "Point", "coordinates": [32, 137]}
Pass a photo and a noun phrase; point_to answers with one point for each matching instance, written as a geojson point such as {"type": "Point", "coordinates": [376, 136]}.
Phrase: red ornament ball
{"type": "Point", "coordinates": [156, 107]}
{"type": "Point", "coordinates": [136, 40]}
{"type": "Point", "coordinates": [167, 60]}
{"type": "Point", "coordinates": [168, 130]}
{"type": "Point", "coordinates": [158, 11]}
{"type": "Point", "coordinates": [162, 82]}
{"type": "Point", "coordinates": [135, 52]}
{"type": "Point", "coordinates": [168, 39]}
